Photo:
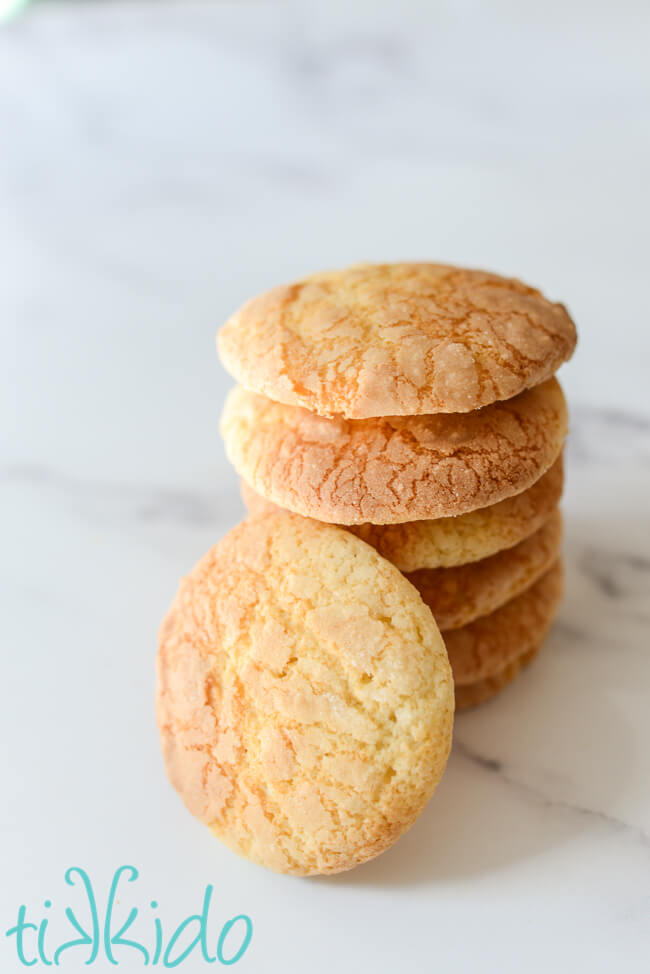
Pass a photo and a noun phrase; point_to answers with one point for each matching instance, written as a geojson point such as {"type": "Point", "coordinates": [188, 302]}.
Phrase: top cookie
{"type": "Point", "coordinates": [305, 697]}
{"type": "Point", "coordinates": [396, 340]}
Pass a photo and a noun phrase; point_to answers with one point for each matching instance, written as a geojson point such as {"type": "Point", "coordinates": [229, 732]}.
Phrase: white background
{"type": "Point", "coordinates": [161, 162]}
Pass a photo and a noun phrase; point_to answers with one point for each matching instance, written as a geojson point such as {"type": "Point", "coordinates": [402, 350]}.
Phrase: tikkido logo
{"type": "Point", "coordinates": [96, 937]}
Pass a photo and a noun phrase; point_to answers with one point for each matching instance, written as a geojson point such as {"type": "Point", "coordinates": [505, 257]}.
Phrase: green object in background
{"type": "Point", "coordinates": [10, 9]}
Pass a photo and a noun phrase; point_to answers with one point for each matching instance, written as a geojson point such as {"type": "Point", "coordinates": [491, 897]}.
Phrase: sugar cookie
{"type": "Point", "coordinates": [473, 694]}
{"type": "Point", "coordinates": [485, 646]}
{"type": "Point", "coordinates": [305, 697]}
{"type": "Point", "coordinates": [392, 470]}
{"type": "Point", "coordinates": [458, 596]}
{"type": "Point", "coordinates": [450, 541]}
{"type": "Point", "coordinates": [396, 340]}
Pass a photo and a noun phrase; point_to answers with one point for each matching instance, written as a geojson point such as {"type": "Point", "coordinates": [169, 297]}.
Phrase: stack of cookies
{"type": "Point", "coordinates": [415, 405]}
{"type": "Point", "coordinates": [399, 434]}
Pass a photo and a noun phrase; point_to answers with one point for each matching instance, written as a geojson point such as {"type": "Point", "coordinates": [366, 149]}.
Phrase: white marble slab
{"type": "Point", "coordinates": [160, 163]}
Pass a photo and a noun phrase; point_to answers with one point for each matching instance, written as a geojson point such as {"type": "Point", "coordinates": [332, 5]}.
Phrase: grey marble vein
{"type": "Point", "coordinates": [535, 794]}
{"type": "Point", "coordinates": [142, 502]}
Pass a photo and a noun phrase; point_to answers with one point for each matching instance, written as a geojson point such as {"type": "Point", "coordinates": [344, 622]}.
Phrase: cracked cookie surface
{"type": "Point", "coordinates": [305, 699]}
{"type": "Point", "coordinates": [393, 469]}
{"type": "Point", "coordinates": [484, 647]}
{"type": "Point", "coordinates": [396, 340]}
{"type": "Point", "coordinates": [450, 541]}
{"type": "Point", "coordinates": [458, 596]}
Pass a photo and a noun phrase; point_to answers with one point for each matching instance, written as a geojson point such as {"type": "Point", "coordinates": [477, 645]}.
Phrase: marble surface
{"type": "Point", "coordinates": [161, 162]}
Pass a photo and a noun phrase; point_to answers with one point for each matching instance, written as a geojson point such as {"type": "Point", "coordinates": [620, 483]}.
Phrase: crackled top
{"type": "Point", "coordinates": [393, 469]}
{"type": "Point", "coordinates": [450, 541]}
{"type": "Point", "coordinates": [305, 698]}
{"type": "Point", "coordinates": [396, 340]}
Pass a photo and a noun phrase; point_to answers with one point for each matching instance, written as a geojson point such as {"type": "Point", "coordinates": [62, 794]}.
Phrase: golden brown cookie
{"type": "Point", "coordinates": [305, 699]}
{"type": "Point", "coordinates": [473, 694]}
{"type": "Point", "coordinates": [485, 646]}
{"type": "Point", "coordinates": [458, 596]}
{"type": "Point", "coordinates": [451, 541]}
{"type": "Point", "coordinates": [396, 340]}
{"type": "Point", "coordinates": [391, 470]}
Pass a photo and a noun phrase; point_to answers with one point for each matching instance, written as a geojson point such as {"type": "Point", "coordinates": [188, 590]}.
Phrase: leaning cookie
{"type": "Point", "coordinates": [391, 470]}
{"type": "Point", "coordinates": [484, 647]}
{"type": "Point", "coordinates": [396, 340]}
{"type": "Point", "coordinates": [450, 541]}
{"type": "Point", "coordinates": [458, 596]}
{"type": "Point", "coordinates": [473, 694]}
{"type": "Point", "coordinates": [305, 699]}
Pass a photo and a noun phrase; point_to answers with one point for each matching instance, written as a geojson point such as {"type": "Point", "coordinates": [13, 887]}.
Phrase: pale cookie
{"type": "Point", "coordinates": [483, 690]}
{"type": "Point", "coordinates": [305, 698]}
{"type": "Point", "coordinates": [458, 596]}
{"type": "Point", "coordinates": [487, 645]}
{"type": "Point", "coordinates": [396, 340]}
{"type": "Point", "coordinates": [451, 541]}
{"type": "Point", "coordinates": [391, 470]}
